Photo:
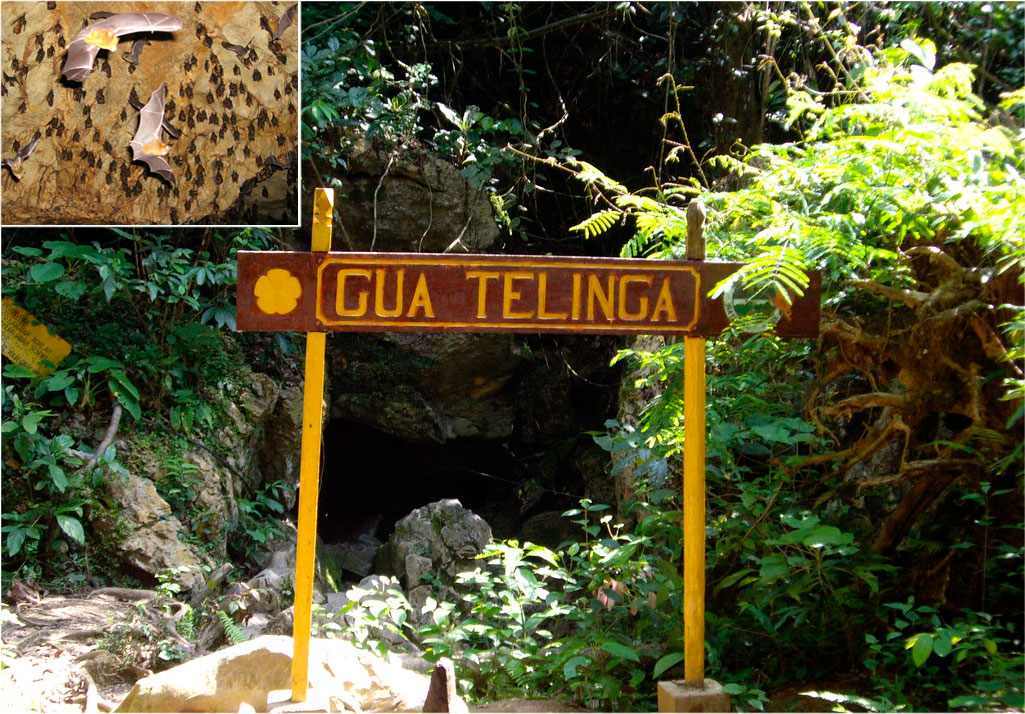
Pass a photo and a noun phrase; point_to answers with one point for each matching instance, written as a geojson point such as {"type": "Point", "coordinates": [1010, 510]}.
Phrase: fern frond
{"type": "Point", "coordinates": [598, 223]}
{"type": "Point", "coordinates": [591, 174]}
{"type": "Point", "coordinates": [732, 165]}
{"type": "Point", "coordinates": [232, 631]}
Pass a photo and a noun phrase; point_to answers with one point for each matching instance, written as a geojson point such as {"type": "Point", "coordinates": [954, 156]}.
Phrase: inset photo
{"type": "Point", "coordinates": [150, 113]}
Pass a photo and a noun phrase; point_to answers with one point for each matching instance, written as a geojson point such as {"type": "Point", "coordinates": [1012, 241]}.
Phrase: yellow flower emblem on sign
{"type": "Point", "coordinates": [277, 292]}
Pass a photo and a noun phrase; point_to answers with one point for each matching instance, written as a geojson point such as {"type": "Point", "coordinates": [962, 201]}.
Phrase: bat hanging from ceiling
{"type": "Point", "coordinates": [104, 34]}
{"type": "Point", "coordinates": [147, 145]}
{"type": "Point", "coordinates": [285, 21]}
{"type": "Point", "coordinates": [23, 153]}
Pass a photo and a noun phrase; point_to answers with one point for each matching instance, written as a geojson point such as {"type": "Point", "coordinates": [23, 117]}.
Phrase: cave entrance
{"type": "Point", "coordinates": [372, 479]}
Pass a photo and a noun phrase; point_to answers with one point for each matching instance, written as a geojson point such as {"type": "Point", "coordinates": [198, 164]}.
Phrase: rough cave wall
{"type": "Point", "coordinates": [233, 114]}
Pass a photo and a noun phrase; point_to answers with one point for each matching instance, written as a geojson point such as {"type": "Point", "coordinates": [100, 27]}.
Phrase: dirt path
{"type": "Point", "coordinates": [53, 648]}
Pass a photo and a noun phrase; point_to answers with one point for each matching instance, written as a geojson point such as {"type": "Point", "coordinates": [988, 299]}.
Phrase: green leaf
{"type": "Point", "coordinates": [73, 527]}
{"type": "Point", "coordinates": [942, 646]}
{"type": "Point", "coordinates": [59, 478]}
{"type": "Point", "coordinates": [666, 662]}
{"type": "Point", "coordinates": [30, 252]}
{"type": "Point", "coordinates": [46, 272]}
{"type": "Point", "coordinates": [826, 535]}
{"type": "Point", "coordinates": [921, 649]}
{"type": "Point", "coordinates": [129, 402]}
{"type": "Point", "coordinates": [573, 664]}
{"type": "Point", "coordinates": [71, 289]}
{"type": "Point", "coordinates": [772, 432]}
{"type": "Point", "coordinates": [102, 364]}
{"type": "Point", "coordinates": [15, 538]}
{"type": "Point", "coordinates": [17, 371]}
{"type": "Point", "coordinates": [773, 567]}
{"type": "Point", "coordinates": [620, 650]}
{"type": "Point", "coordinates": [30, 422]}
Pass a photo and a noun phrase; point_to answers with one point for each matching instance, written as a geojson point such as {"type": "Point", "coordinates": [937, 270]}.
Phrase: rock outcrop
{"type": "Point", "coordinates": [441, 538]}
{"type": "Point", "coordinates": [342, 677]}
{"type": "Point", "coordinates": [411, 202]}
{"type": "Point", "coordinates": [151, 533]}
{"type": "Point", "coordinates": [224, 468]}
{"type": "Point", "coordinates": [426, 387]}
{"type": "Point", "coordinates": [236, 113]}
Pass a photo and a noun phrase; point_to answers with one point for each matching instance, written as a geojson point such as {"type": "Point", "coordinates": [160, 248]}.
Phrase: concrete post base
{"type": "Point", "coordinates": [678, 696]}
{"type": "Point", "coordinates": [280, 701]}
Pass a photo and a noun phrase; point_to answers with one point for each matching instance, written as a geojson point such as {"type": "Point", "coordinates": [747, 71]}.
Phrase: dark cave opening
{"type": "Point", "coordinates": [372, 479]}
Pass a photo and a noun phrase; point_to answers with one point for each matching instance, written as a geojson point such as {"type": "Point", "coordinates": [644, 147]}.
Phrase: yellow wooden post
{"type": "Point", "coordinates": [694, 479]}
{"type": "Point", "coordinates": [309, 469]}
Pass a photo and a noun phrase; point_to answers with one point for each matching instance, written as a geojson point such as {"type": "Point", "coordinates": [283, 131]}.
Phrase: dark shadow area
{"type": "Point", "coordinates": [372, 479]}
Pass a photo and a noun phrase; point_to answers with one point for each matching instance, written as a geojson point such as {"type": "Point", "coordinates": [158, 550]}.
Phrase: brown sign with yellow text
{"type": "Point", "coordinates": [399, 292]}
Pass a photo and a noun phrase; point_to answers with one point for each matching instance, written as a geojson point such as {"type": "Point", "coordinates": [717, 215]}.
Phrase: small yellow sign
{"type": "Point", "coordinates": [28, 342]}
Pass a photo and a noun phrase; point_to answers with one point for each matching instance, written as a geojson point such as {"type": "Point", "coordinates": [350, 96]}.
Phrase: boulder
{"type": "Point", "coordinates": [341, 675]}
{"type": "Point", "coordinates": [232, 114]}
{"type": "Point", "coordinates": [443, 534]}
{"type": "Point", "coordinates": [418, 202]}
{"type": "Point", "coordinates": [356, 557]}
{"type": "Point", "coordinates": [426, 387]}
{"type": "Point", "coordinates": [150, 541]}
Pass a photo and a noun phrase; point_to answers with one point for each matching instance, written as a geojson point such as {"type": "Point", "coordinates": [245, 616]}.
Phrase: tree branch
{"type": "Point", "coordinates": [536, 32]}
{"type": "Point", "coordinates": [911, 298]}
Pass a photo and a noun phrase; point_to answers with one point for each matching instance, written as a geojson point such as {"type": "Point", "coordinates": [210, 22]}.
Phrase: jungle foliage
{"type": "Point", "coordinates": [147, 315]}
{"type": "Point", "coordinates": [865, 491]}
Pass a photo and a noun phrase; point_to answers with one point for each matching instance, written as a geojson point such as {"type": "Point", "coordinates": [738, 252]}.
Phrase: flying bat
{"type": "Point", "coordinates": [104, 34]}
{"type": "Point", "coordinates": [285, 21]}
{"type": "Point", "coordinates": [147, 146]}
{"type": "Point", "coordinates": [23, 153]}
{"type": "Point", "coordinates": [133, 100]}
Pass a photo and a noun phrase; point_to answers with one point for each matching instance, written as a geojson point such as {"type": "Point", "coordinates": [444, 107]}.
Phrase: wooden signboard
{"type": "Point", "coordinates": [28, 342]}
{"type": "Point", "coordinates": [400, 292]}
{"type": "Point", "coordinates": [320, 292]}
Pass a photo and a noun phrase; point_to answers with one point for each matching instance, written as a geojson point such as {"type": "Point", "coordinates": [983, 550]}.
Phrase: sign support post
{"type": "Point", "coordinates": [694, 478]}
{"type": "Point", "coordinates": [309, 468]}
{"type": "Point", "coordinates": [694, 693]}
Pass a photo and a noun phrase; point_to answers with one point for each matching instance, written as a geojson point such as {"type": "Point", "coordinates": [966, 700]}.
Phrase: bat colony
{"type": "Point", "coordinates": [104, 33]}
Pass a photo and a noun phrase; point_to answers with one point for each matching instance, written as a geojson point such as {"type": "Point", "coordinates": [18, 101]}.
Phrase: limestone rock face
{"type": "Point", "coordinates": [233, 472]}
{"type": "Point", "coordinates": [441, 537]}
{"type": "Point", "coordinates": [279, 450]}
{"type": "Point", "coordinates": [426, 387]}
{"type": "Point", "coordinates": [343, 677]}
{"type": "Point", "coordinates": [234, 160]}
{"type": "Point", "coordinates": [151, 542]}
{"type": "Point", "coordinates": [424, 205]}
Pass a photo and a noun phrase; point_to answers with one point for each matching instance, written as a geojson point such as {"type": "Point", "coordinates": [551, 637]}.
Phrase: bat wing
{"type": "Point", "coordinates": [147, 136]}
{"type": "Point", "coordinates": [159, 166]}
{"type": "Point", "coordinates": [151, 116]}
{"type": "Point", "coordinates": [78, 62]}
{"type": "Point", "coordinates": [129, 23]}
{"type": "Point", "coordinates": [285, 21]}
{"type": "Point", "coordinates": [81, 53]}
{"type": "Point", "coordinates": [27, 150]}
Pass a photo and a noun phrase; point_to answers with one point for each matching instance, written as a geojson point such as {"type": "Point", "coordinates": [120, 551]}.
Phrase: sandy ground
{"type": "Point", "coordinates": [50, 651]}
